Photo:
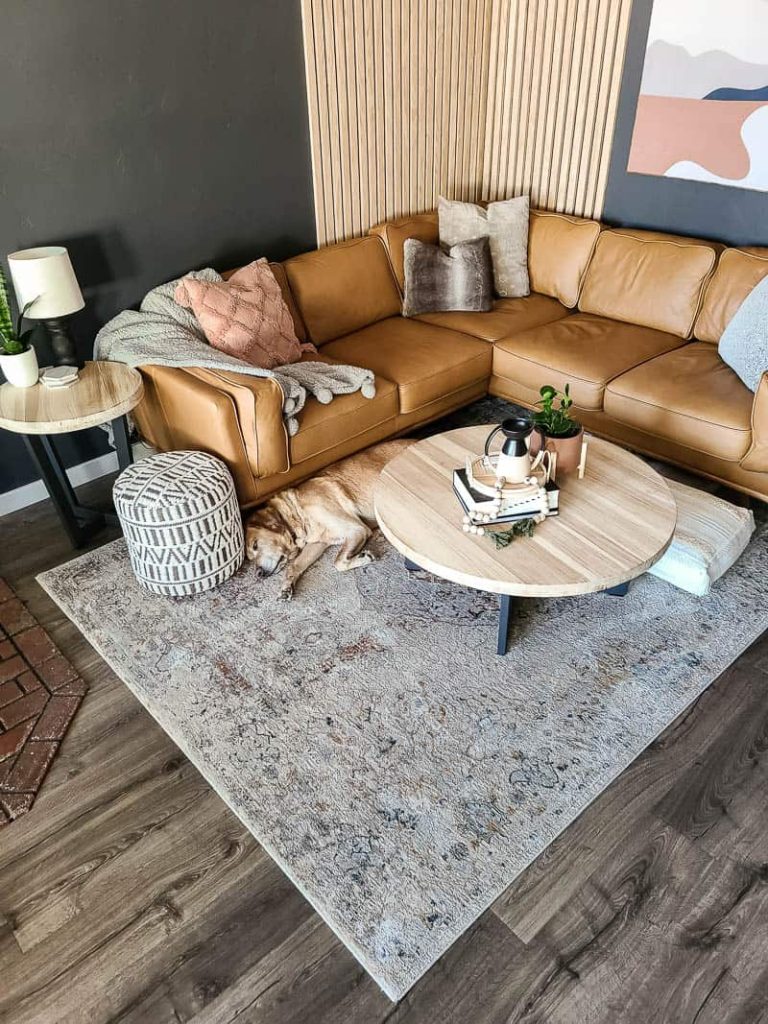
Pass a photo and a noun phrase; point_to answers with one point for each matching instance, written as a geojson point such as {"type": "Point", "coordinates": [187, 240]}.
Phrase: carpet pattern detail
{"type": "Point", "coordinates": [39, 695]}
{"type": "Point", "coordinates": [398, 770]}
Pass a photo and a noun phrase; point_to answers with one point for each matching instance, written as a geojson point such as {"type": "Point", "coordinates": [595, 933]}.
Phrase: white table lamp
{"type": "Point", "coordinates": [44, 277]}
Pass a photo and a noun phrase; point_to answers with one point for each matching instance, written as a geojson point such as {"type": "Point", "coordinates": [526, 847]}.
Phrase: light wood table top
{"type": "Point", "coordinates": [102, 392]}
{"type": "Point", "coordinates": [613, 525]}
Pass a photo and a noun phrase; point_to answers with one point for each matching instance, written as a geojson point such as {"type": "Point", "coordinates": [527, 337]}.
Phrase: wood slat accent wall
{"type": "Point", "coordinates": [410, 99]}
{"type": "Point", "coordinates": [555, 72]}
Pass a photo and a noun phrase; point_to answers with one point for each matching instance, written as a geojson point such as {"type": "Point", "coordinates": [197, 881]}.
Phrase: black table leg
{"type": "Point", "coordinates": [80, 523]}
{"type": "Point", "coordinates": [621, 591]}
{"type": "Point", "coordinates": [121, 442]}
{"type": "Point", "coordinates": [505, 606]}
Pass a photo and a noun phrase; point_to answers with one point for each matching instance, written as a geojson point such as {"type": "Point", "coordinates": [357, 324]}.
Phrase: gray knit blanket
{"type": "Point", "coordinates": [163, 333]}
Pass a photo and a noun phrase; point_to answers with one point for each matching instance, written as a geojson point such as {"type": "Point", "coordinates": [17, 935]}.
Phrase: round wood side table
{"type": "Point", "coordinates": [104, 392]}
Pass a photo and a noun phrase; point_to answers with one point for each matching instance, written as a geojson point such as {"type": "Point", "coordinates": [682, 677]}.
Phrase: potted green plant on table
{"type": "Point", "coordinates": [18, 359]}
{"type": "Point", "coordinates": [556, 430]}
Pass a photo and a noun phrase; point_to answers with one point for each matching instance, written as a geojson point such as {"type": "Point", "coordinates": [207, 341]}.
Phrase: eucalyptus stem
{"type": "Point", "coordinates": [503, 538]}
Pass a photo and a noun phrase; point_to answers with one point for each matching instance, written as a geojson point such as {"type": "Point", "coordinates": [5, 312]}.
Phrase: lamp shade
{"type": "Point", "coordinates": [45, 275]}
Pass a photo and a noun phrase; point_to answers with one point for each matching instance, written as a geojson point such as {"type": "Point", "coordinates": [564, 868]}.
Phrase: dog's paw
{"type": "Point", "coordinates": [356, 562]}
{"type": "Point", "coordinates": [286, 592]}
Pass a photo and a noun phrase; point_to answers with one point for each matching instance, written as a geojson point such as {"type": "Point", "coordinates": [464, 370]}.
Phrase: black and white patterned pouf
{"type": "Point", "coordinates": [181, 522]}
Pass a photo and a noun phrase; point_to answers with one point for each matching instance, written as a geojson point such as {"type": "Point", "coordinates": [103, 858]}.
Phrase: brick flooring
{"type": "Point", "coordinates": [39, 695]}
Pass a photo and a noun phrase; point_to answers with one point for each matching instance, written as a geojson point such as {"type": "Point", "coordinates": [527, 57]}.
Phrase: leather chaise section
{"type": "Point", "coordinates": [689, 396]}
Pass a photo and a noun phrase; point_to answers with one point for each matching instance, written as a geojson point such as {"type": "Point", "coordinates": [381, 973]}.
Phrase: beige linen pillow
{"type": "Point", "coordinates": [505, 224]}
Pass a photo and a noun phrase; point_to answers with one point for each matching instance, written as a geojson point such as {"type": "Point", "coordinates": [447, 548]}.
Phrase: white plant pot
{"type": "Point", "coordinates": [21, 370]}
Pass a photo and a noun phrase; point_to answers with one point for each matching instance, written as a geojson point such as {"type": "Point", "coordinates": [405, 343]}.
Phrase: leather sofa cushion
{"type": "Point", "coordinates": [688, 396]}
{"type": "Point", "coordinates": [736, 275]}
{"type": "Point", "coordinates": [341, 288]}
{"type": "Point", "coordinates": [425, 362]}
{"type": "Point", "coordinates": [393, 233]}
{"type": "Point", "coordinates": [509, 316]}
{"type": "Point", "coordinates": [322, 427]}
{"type": "Point", "coordinates": [559, 250]}
{"type": "Point", "coordinates": [665, 236]}
{"type": "Point", "coordinates": [650, 282]}
{"type": "Point", "coordinates": [585, 351]}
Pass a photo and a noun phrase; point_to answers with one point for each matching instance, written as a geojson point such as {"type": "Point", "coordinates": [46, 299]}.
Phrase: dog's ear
{"type": "Point", "coordinates": [267, 517]}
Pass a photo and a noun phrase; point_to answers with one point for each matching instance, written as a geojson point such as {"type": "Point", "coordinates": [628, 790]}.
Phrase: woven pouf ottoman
{"type": "Point", "coordinates": [181, 522]}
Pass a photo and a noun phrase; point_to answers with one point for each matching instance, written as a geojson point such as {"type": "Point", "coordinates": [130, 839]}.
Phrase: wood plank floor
{"type": "Point", "coordinates": [130, 893]}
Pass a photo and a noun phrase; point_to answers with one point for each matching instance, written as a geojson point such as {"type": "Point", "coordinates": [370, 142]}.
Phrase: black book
{"type": "Point", "coordinates": [500, 520]}
{"type": "Point", "coordinates": [473, 500]}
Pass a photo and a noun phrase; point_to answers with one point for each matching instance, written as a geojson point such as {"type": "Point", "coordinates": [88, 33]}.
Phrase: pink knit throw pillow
{"type": "Point", "coordinates": [246, 316]}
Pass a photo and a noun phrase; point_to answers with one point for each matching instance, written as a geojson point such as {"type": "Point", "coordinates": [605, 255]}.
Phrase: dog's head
{"type": "Point", "coordinates": [269, 541]}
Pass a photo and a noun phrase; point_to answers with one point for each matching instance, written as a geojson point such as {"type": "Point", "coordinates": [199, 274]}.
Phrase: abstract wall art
{"type": "Point", "coordinates": [702, 113]}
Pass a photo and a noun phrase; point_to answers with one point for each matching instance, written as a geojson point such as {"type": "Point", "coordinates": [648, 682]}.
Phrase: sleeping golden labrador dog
{"type": "Point", "coordinates": [298, 525]}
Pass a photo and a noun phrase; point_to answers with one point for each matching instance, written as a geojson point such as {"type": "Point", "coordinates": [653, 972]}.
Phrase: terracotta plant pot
{"type": "Point", "coordinates": [568, 449]}
{"type": "Point", "coordinates": [21, 370]}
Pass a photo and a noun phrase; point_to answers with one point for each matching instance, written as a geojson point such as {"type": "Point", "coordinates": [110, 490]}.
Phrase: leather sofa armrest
{"type": "Point", "coordinates": [756, 459]}
{"type": "Point", "coordinates": [182, 410]}
{"type": "Point", "coordinates": [259, 405]}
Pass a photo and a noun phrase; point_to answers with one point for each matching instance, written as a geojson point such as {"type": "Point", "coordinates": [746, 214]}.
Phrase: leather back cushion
{"type": "Point", "coordinates": [647, 281]}
{"type": "Point", "coordinates": [737, 273]}
{"type": "Point", "coordinates": [559, 250]}
{"type": "Point", "coordinates": [342, 288]}
{"type": "Point", "coordinates": [646, 234]}
{"type": "Point", "coordinates": [394, 233]}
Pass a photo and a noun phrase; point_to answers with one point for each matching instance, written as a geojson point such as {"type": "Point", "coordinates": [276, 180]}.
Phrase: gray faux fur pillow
{"type": "Point", "coordinates": [440, 279]}
{"type": "Point", "coordinates": [506, 224]}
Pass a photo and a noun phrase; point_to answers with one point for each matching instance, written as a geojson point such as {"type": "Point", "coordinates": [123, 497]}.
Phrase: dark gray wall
{"type": "Point", "coordinates": [150, 137]}
{"type": "Point", "coordinates": [733, 215]}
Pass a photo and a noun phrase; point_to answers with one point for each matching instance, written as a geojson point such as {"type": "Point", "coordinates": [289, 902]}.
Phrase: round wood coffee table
{"type": "Point", "coordinates": [613, 525]}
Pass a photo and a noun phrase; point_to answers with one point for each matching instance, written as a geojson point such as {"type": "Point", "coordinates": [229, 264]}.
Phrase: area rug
{"type": "Point", "coordinates": [398, 771]}
{"type": "Point", "coordinates": [39, 695]}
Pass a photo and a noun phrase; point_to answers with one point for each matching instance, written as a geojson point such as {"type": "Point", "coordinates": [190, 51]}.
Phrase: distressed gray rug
{"type": "Point", "coordinates": [397, 770]}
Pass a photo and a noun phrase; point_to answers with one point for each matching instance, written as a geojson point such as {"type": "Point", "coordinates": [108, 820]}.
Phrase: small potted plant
{"type": "Point", "coordinates": [18, 359]}
{"type": "Point", "coordinates": [557, 431]}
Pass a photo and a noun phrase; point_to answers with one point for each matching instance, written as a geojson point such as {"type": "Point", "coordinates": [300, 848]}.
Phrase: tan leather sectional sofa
{"type": "Point", "coordinates": [630, 318]}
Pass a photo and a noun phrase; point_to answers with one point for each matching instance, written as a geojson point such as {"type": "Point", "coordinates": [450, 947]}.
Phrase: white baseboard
{"type": "Point", "coordinates": [29, 494]}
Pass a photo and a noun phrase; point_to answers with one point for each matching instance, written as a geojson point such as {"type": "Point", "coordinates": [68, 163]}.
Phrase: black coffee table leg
{"type": "Point", "coordinates": [505, 607]}
{"type": "Point", "coordinates": [621, 591]}
{"type": "Point", "coordinates": [79, 523]}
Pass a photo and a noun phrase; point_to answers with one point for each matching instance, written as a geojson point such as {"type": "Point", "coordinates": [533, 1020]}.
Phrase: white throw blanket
{"type": "Point", "coordinates": [163, 333]}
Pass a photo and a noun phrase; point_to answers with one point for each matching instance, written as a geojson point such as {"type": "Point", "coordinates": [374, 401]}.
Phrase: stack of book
{"type": "Point", "coordinates": [510, 505]}
{"type": "Point", "coordinates": [58, 376]}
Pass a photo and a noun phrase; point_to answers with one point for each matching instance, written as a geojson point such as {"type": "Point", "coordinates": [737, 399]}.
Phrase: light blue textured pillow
{"type": "Point", "coordinates": [744, 342]}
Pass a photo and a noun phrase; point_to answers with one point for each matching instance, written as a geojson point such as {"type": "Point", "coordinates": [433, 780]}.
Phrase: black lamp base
{"type": "Point", "coordinates": [62, 343]}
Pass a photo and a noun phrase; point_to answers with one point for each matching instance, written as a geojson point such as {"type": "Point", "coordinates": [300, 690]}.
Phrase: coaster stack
{"type": "Point", "coordinates": [181, 522]}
